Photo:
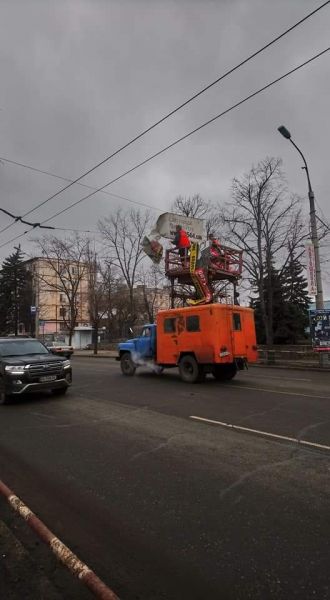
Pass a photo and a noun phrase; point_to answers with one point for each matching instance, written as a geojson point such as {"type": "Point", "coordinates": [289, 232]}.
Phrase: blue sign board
{"type": "Point", "coordinates": [320, 329]}
{"type": "Point", "coordinates": [33, 310]}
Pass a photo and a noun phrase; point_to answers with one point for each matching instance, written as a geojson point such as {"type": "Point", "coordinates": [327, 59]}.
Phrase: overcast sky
{"type": "Point", "coordinates": [79, 79]}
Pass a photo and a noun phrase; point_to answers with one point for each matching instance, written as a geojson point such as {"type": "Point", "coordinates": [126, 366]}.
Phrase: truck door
{"type": "Point", "coordinates": [237, 332]}
{"type": "Point", "coordinates": [146, 342]}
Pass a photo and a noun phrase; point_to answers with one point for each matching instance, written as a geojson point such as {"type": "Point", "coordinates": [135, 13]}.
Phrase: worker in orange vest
{"type": "Point", "coordinates": [181, 242]}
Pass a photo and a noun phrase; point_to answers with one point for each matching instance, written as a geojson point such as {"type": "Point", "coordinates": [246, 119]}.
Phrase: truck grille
{"type": "Point", "coordinates": [51, 368]}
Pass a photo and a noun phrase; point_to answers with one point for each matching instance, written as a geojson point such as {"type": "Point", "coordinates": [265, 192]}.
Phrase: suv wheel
{"type": "Point", "coordinates": [4, 398]}
{"type": "Point", "coordinates": [127, 366]}
{"type": "Point", "coordinates": [59, 391]}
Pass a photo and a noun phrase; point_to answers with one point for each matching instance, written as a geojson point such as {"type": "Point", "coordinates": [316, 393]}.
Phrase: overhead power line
{"type": "Point", "coordinates": [84, 185]}
{"type": "Point", "coordinates": [175, 110]}
{"type": "Point", "coordinates": [184, 137]}
{"type": "Point", "coordinates": [18, 219]}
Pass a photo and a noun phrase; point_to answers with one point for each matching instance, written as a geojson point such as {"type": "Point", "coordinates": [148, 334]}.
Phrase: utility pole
{"type": "Point", "coordinates": [319, 302]}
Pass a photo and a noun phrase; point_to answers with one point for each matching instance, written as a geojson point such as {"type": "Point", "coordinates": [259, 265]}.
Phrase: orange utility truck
{"type": "Point", "coordinates": [211, 338]}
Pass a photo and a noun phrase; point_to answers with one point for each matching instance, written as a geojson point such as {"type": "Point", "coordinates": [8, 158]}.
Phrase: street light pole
{"type": "Point", "coordinates": [323, 356]}
{"type": "Point", "coordinates": [315, 240]}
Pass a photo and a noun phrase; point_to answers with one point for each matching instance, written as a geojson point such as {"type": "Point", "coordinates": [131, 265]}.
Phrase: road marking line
{"type": "Point", "coordinates": [258, 432]}
{"type": "Point", "coordinates": [246, 387]}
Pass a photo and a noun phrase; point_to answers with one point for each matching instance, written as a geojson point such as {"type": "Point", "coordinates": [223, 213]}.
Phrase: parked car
{"type": "Point", "coordinates": [26, 365]}
{"type": "Point", "coordinates": [59, 348]}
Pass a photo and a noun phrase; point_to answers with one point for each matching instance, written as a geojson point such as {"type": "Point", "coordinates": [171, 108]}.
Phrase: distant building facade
{"type": "Point", "coordinates": [50, 300]}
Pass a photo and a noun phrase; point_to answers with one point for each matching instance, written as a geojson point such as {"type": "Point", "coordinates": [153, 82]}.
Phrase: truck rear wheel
{"type": "Point", "coordinates": [224, 372]}
{"type": "Point", "coordinates": [127, 366]}
{"type": "Point", "coordinates": [190, 370]}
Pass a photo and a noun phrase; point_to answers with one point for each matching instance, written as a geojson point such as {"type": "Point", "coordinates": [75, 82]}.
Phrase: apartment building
{"type": "Point", "coordinates": [51, 283]}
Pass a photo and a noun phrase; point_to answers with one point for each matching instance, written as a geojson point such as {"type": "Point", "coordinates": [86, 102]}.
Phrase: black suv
{"type": "Point", "coordinates": [26, 365]}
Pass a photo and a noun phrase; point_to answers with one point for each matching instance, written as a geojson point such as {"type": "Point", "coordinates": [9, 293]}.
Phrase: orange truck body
{"type": "Point", "coordinates": [213, 333]}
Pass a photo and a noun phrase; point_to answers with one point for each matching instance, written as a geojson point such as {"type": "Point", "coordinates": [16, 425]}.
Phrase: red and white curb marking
{"type": "Point", "coordinates": [61, 551]}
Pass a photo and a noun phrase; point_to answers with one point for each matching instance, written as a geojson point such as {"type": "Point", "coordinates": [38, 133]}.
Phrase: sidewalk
{"type": "Point", "coordinates": [100, 353]}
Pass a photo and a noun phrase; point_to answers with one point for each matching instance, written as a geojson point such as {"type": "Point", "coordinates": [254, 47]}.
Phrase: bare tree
{"type": "Point", "coordinates": [152, 287]}
{"type": "Point", "coordinates": [65, 268]}
{"type": "Point", "coordinates": [195, 206]}
{"type": "Point", "coordinates": [123, 233]}
{"type": "Point", "coordinates": [99, 292]}
{"type": "Point", "coordinates": [265, 222]}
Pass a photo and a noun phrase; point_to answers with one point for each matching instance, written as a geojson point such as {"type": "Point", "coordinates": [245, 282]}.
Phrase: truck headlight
{"type": "Point", "coordinates": [14, 370]}
{"type": "Point", "coordinates": [66, 364]}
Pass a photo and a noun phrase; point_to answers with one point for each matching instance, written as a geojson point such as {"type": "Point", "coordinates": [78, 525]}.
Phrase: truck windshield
{"type": "Point", "coordinates": [22, 347]}
{"type": "Point", "coordinates": [146, 332]}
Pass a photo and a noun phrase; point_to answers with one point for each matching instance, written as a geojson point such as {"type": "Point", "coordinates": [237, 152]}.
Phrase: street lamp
{"type": "Point", "coordinates": [315, 241]}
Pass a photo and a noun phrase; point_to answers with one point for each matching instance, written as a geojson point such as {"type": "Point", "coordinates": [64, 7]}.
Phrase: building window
{"type": "Point", "coordinates": [192, 323]}
{"type": "Point", "coordinates": [62, 298]}
{"type": "Point", "coordinates": [62, 312]}
{"type": "Point", "coordinates": [237, 322]}
{"type": "Point", "coordinates": [169, 325]}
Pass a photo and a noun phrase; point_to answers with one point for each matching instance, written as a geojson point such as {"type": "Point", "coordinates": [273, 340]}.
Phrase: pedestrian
{"type": "Point", "coordinates": [182, 242]}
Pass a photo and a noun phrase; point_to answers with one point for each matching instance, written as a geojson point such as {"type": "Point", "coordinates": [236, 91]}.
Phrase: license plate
{"type": "Point", "coordinates": [47, 378]}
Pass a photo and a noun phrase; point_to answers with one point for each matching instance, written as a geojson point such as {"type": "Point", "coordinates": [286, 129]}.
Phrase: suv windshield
{"type": "Point", "coordinates": [21, 347]}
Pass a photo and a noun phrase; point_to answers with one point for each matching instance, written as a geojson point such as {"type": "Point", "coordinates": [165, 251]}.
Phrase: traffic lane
{"type": "Point", "coordinates": [165, 508]}
{"type": "Point", "coordinates": [292, 380]}
{"type": "Point", "coordinates": [251, 400]}
{"type": "Point", "coordinates": [277, 379]}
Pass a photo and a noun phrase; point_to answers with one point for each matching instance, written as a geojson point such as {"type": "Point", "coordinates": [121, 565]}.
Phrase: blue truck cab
{"type": "Point", "coordinates": [138, 351]}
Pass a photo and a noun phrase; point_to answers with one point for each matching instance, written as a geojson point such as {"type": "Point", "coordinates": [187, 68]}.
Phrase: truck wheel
{"type": "Point", "coordinates": [224, 372]}
{"type": "Point", "coordinates": [127, 366]}
{"type": "Point", "coordinates": [190, 370]}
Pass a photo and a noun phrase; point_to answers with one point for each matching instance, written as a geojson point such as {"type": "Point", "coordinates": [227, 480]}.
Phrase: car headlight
{"type": "Point", "coordinates": [66, 364]}
{"type": "Point", "coordinates": [15, 370]}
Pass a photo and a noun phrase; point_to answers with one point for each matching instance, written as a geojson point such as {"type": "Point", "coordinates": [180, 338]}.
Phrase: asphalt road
{"type": "Point", "coordinates": [163, 506]}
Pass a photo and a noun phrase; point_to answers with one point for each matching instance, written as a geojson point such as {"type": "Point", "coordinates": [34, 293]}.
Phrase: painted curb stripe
{"type": "Point", "coordinates": [60, 550]}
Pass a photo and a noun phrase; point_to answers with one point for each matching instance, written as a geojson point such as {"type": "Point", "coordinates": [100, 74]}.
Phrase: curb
{"type": "Point", "coordinates": [61, 551]}
{"type": "Point", "coordinates": [94, 356]}
{"type": "Point", "coordinates": [18, 569]}
{"type": "Point", "coordinates": [292, 367]}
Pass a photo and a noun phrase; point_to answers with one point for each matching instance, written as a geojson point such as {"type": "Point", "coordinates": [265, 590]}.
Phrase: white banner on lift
{"type": "Point", "coordinates": [167, 222]}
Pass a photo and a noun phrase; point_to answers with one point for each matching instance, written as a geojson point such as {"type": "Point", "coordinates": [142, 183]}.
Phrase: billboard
{"type": "Point", "coordinates": [167, 222]}
{"type": "Point", "coordinates": [320, 329]}
{"type": "Point", "coordinates": [310, 266]}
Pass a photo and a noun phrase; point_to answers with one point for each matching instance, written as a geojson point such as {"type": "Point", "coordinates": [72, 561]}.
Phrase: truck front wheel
{"type": "Point", "coordinates": [127, 365]}
{"type": "Point", "coordinates": [224, 372]}
{"type": "Point", "coordinates": [190, 370]}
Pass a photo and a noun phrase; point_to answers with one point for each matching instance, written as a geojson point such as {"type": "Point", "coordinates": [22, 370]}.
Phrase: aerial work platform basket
{"type": "Point", "coordinates": [202, 271]}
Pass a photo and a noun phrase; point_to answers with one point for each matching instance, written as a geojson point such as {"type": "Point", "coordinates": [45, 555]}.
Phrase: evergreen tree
{"type": "Point", "coordinates": [273, 295]}
{"type": "Point", "coordinates": [15, 294]}
{"type": "Point", "coordinates": [287, 292]}
{"type": "Point", "coordinates": [296, 300]}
